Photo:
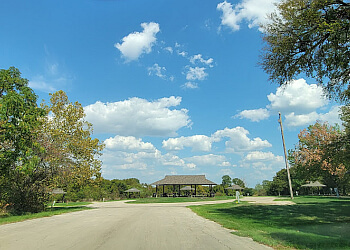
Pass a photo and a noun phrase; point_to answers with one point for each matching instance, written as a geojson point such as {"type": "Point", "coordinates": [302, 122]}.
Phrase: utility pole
{"type": "Point", "coordinates": [285, 157]}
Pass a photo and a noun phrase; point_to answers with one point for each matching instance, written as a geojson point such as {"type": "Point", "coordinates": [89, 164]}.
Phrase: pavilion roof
{"type": "Point", "coordinates": [184, 180]}
{"type": "Point", "coordinates": [234, 187]}
{"type": "Point", "coordinates": [314, 184]}
{"type": "Point", "coordinates": [132, 190]}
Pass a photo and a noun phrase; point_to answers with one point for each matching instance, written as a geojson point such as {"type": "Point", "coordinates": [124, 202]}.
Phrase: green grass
{"type": "Point", "coordinates": [312, 223]}
{"type": "Point", "coordinates": [59, 208]}
{"type": "Point", "coordinates": [180, 199]}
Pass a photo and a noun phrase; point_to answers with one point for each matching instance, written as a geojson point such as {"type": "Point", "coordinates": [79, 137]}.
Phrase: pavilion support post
{"type": "Point", "coordinates": [195, 190]}
{"type": "Point", "coordinates": [163, 190]}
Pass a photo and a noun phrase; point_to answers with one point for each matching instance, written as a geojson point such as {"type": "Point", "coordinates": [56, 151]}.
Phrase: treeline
{"type": "Point", "coordinates": [227, 181]}
{"type": "Point", "coordinates": [42, 147]}
{"type": "Point", "coordinates": [103, 189]}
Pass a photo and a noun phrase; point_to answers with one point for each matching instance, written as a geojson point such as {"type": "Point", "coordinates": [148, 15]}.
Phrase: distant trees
{"type": "Point", "coordinates": [238, 182]}
{"type": "Point", "coordinates": [311, 37]}
{"type": "Point", "coordinates": [227, 181]}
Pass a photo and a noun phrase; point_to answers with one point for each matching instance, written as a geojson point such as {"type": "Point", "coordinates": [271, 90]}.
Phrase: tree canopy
{"type": "Point", "coordinates": [67, 138]}
{"type": "Point", "coordinates": [226, 181]}
{"type": "Point", "coordinates": [311, 37]}
{"type": "Point", "coordinates": [319, 154]}
{"type": "Point", "coordinates": [19, 115]}
{"type": "Point", "coordinates": [21, 175]}
{"type": "Point", "coordinates": [43, 147]}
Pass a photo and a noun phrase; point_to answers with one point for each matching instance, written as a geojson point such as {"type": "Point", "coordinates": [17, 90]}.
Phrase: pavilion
{"type": "Point", "coordinates": [183, 180]}
{"type": "Point", "coordinates": [132, 190]}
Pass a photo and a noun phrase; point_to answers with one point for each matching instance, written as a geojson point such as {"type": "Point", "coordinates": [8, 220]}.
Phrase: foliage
{"type": "Point", "coordinates": [312, 223]}
{"type": "Point", "coordinates": [279, 184]}
{"type": "Point", "coordinates": [219, 190]}
{"type": "Point", "coordinates": [310, 36]}
{"type": "Point", "coordinates": [226, 181]}
{"type": "Point", "coordinates": [238, 182]}
{"type": "Point", "coordinates": [70, 150]}
{"type": "Point", "coordinates": [22, 178]}
{"type": "Point", "coordinates": [318, 154]}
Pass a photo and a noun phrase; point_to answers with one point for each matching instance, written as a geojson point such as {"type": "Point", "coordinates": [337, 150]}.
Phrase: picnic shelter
{"type": "Point", "coordinates": [177, 181]}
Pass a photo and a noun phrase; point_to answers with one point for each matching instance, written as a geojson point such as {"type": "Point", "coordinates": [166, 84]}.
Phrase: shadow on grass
{"type": "Point", "coordinates": [308, 224]}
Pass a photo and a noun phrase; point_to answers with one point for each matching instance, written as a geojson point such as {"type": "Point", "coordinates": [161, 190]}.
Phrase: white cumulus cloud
{"type": "Point", "coordinates": [301, 104]}
{"type": "Point", "coordinates": [157, 70]}
{"type": "Point", "coordinates": [138, 117]}
{"type": "Point", "coordinates": [262, 156]}
{"type": "Point", "coordinates": [332, 117]}
{"type": "Point", "coordinates": [253, 12]}
{"type": "Point", "coordinates": [196, 73]}
{"type": "Point", "coordinates": [196, 142]}
{"type": "Point", "coordinates": [239, 140]}
{"type": "Point", "coordinates": [128, 143]}
{"type": "Point", "coordinates": [254, 115]}
{"type": "Point", "coordinates": [190, 85]}
{"type": "Point", "coordinates": [211, 160]}
{"type": "Point", "coordinates": [198, 58]}
{"type": "Point", "coordinates": [137, 43]}
{"type": "Point", "coordinates": [298, 96]}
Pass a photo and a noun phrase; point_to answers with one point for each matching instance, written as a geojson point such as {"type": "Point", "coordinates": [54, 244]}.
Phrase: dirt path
{"type": "Point", "coordinates": [266, 200]}
{"type": "Point", "coordinates": [118, 225]}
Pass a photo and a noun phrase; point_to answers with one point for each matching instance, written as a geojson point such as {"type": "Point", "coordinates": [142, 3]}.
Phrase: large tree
{"type": "Point", "coordinates": [22, 178]}
{"type": "Point", "coordinates": [71, 151]}
{"type": "Point", "coordinates": [226, 181]}
{"type": "Point", "coordinates": [311, 37]}
{"type": "Point", "coordinates": [318, 155]}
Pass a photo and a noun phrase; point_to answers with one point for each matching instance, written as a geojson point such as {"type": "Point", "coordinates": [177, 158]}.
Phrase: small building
{"type": "Point", "coordinates": [183, 180]}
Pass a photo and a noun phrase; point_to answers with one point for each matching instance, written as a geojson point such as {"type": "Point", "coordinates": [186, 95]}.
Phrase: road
{"type": "Point", "coordinates": [119, 225]}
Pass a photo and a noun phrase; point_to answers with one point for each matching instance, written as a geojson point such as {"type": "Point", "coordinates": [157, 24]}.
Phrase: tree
{"type": "Point", "coordinates": [311, 37]}
{"type": "Point", "coordinates": [71, 152]}
{"type": "Point", "coordinates": [279, 184]}
{"type": "Point", "coordinates": [22, 178]}
{"type": "Point", "coordinates": [226, 181]}
{"type": "Point", "coordinates": [262, 189]}
{"type": "Point", "coordinates": [319, 155]}
{"type": "Point", "coordinates": [238, 182]}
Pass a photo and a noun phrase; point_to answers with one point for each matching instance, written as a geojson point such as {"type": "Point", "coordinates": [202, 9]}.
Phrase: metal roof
{"type": "Point", "coordinates": [184, 180]}
{"type": "Point", "coordinates": [234, 187]}
{"type": "Point", "coordinates": [314, 184]}
{"type": "Point", "coordinates": [132, 190]}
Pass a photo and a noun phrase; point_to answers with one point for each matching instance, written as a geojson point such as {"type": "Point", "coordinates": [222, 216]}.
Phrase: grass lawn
{"type": "Point", "coordinates": [312, 223]}
{"type": "Point", "coordinates": [59, 208]}
{"type": "Point", "coordinates": [180, 199]}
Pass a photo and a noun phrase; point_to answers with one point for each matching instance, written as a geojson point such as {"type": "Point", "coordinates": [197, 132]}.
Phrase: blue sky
{"type": "Point", "coordinates": [172, 87]}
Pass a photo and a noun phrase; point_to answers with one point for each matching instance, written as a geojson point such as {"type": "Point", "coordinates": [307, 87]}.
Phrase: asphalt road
{"type": "Point", "coordinates": [118, 225]}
